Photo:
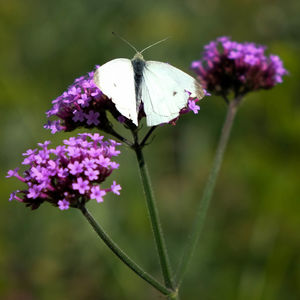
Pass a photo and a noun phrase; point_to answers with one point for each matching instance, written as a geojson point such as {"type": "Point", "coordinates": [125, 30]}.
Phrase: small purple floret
{"type": "Point", "coordinates": [97, 194]}
{"type": "Point", "coordinates": [115, 188]}
{"type": "Point", "coordinates": [193, 106]}
{"type": "Point", "coordinates": [12, 173]}
{"type": "Point", "coordinates": [91, 174]}
{"type": "Point", "coordinates": [63, 204]}
{"type": "Point", "coordinates": [75, 168]}
{"type": "Point", "coordinates": [92, 118]}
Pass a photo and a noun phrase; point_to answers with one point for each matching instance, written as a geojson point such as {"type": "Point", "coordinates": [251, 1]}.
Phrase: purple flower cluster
{"type": "Point", "coordinates": [67, 174]}
{"type": "Point", "coordinates": [84, 105]}
{"type": "Point", "coordinates": [238, 68]}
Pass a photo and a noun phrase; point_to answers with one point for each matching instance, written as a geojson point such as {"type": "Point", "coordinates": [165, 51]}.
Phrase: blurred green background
{"type": "Point", "coordinates": [250, 245]}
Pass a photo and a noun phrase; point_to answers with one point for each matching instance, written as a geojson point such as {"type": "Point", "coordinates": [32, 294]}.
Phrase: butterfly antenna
{"type": "Point", "coordinates": [114, 33]}
{"type": "Point", "coordinates": [155, 44]}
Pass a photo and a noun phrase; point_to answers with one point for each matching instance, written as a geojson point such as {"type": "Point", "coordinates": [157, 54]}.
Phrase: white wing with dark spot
{"type": "Point", "coordinates": [116, 80]}
{"type": "Point", "coordinates": [165, 91]}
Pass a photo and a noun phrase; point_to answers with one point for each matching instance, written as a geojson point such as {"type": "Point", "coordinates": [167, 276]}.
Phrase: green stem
{"type": "Point", "coordinates": [122, 256]}
{"type": "Point", "coordinates": [208, 191]}
{"type": "Point", "coordinates": [154, 217]}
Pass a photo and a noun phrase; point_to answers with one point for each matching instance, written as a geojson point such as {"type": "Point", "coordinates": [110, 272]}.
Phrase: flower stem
{"type": "Point", "coordinates": [154, 217]}
{"type": "Point", "coordinates": [208, 191]}
{"type": "Point", "coordinates": [122, 256]}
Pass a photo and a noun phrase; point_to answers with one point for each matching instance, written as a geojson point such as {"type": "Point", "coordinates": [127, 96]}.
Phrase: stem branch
{"type": "Point", "coordinates": [122, 256]}
{"type": "Point", "coordinates": [119, 137]}
{"type": "Point", "coordinates": [143, 142]}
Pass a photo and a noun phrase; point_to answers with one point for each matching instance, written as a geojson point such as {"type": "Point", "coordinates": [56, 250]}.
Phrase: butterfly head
{"type": "Point", "coordinates": [138, 56]}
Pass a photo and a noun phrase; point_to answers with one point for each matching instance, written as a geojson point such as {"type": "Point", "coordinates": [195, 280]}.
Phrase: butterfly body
{"type": "Point", "coordinates": [163, 89]}
{"type": "Point", "coordinates": [138, 64]}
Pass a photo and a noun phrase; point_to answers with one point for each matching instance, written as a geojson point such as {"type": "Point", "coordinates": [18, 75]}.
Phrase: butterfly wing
{"type": "Point", "coordinates": [116, 80]}
{"type": "Point", "coordinates": [165, 91]}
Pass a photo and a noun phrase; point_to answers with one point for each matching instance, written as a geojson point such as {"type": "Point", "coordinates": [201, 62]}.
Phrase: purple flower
{"type": "Point", "coordinates": [78, 116]}
{"type": "Point", "coordinates": [89, 163]}
{"type": "Point", "coordinates": [114, 165]}
{"type": "Point", "coordinates": [62, 172]}
{"type": "Point", "coordinates": [97, 138]}
{"type": "Point", "coordinates": [97, 194]}
{"type": "Point", "coordinates": [13, 196]}
{"type": "Point", "coordinates": [72, 141]}
{"type": "Point", "coordinates": [238, 68]}
{"type": "Point", "coordinates": [75, 168]}
{"type": "Point", "coordinates": [63, 204]}
{"type": "Point", "coordinates": [74, 151]}
{"type": "Point", "coordinates": [83, 104]}
{"type": "Point", "coordinates": [103, 161]}
{"type": "Point", "coordinates": [115, 188]}
{"type": "Point", "coordinates": [91, 174]}
{"type": "Point", "coordinates": [33, 192]}
{"type": "Point", "coordinates": [193, 106]}
{"type": "Point", "coordinates": [67, 173]}
{"type": "Point", "coordinates": [54, 126]}
{"type": "Point", "coordinates": [12, 173]}
{"type": "Point", "coordinates": [29, 152]}
{"type": "Point", "coordinates": [84, 100]}
{"type": "Point", "coordinates": [113, 151]}
{"type": "Point", "coordinates": [121, 119]}
{"type": "Point", "coordinates": [81, 185]}
{"type": "Point", "coordinates": [92, 118]}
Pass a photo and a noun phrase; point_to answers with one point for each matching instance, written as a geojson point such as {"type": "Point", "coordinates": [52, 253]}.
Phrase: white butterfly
{"type": "Point", "coordinates": [163, 89]}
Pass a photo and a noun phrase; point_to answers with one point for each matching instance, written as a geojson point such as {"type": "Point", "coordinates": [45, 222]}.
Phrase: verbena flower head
{"type": "Point", "coordinates": [67, 174]}
{"type": "Point", "coordinates": [84, 105]}
{"type": "Point", "coordinates": [238, 68]}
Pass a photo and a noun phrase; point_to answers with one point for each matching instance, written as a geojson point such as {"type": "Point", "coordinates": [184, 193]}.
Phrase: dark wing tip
{"type": "Point", "coordinates": [199, 90]}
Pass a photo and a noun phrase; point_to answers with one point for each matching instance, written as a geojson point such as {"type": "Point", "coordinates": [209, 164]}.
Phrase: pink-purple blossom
{"type": "Point", "coordinates": [63, 204]}
{"type": "Point", "coordinates": [92, 118]}
{"type": "Point", "coordinates": [97, 194]}
{"type": "Point", "coordinates": [230, 67]}
{"type": "Point", "coordinates": [91, 173]}
{"type": "Point", "coordinates": [82, 105]}
{"type": "Point", "coordinates": [193, 106]}
{"type": "Point", "coordinates": [69, 173]}
{"type": "Point", "coordinates": [115, 188]}
{"type": "Point", "coordinates": [75, 168]}
{"type": "Point", "coordinates": [81, 185]}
